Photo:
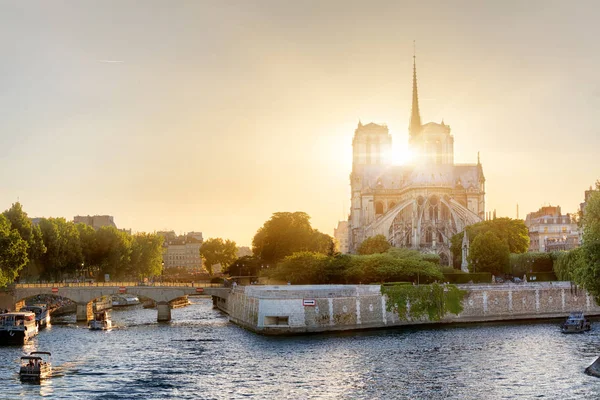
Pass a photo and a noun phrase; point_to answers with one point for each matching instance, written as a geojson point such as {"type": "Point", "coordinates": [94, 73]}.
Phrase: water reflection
{"type": "Point", "coordinates": [199, 354]}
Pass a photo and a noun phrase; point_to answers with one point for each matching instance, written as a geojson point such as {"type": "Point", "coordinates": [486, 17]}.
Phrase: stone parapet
{"type": "Point", "coordinates": [319, 308]}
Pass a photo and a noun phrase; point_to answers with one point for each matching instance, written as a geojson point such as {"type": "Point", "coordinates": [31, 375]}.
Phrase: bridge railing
{"type": "Point", "coordinates": [117, 284]}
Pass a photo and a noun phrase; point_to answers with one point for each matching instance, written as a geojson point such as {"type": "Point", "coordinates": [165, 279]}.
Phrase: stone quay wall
{"type": "Point", "coordinates": [289, 309]}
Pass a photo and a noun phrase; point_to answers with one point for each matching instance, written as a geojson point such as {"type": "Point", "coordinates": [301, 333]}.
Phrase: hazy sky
{"type": "Point", "coordinates": [211, 115]}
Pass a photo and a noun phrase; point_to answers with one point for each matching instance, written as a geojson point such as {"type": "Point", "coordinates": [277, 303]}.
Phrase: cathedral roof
{"type": "Point", "coordinates": [400, 177]}
{"type": "Point", "coordinates": [434, 127]}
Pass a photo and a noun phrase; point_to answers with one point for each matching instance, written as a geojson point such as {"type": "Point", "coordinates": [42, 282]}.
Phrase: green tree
{"type": "Point", "coordinates": [114, 253]}
{"type": "Point", "coordinates": [13, 252]}
{"type": "Point", "coordinates": [218, 251]}
{"type": "Point", "coordinates": [31, 234]}
{"type": "Point", "coordinates": [512, 231]}
{"type": "Point", "coordinates": [567, 263]}
{"type": "Point", "coordinates": [587, 272]}
{"type": "Point", "coordinates": [286, 233]}
{"type": "Point", "coordinates": [304, 267]}
{"type": "Point", "coordinates": [488, 253]}
{"type": "Point", "coordinates": [146, 255]}
{"type": "Point", "coordinates": [63, 250]}
{"type": "Point", "coordinates": [373, 245]}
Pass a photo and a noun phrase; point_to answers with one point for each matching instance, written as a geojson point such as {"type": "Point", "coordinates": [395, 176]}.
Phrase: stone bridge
{"type": "Point", "coordinates": [84, 294]}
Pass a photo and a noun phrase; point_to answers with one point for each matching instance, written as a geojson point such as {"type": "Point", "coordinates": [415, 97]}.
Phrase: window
{"type": "Point", "coordinates": [378, 208]}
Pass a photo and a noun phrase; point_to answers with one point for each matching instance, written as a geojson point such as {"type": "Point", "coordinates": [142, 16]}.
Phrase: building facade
{"type": "Point", "coordinates": [341, 235]}
{"type": "Point", "coordinates": [420, 205]}
{"type": "Point", "coordinates": [549, 230]}
{"type": "Point", "coordinates": [95, 221]}
{"type": "Point", "coordinates": [182, 251]}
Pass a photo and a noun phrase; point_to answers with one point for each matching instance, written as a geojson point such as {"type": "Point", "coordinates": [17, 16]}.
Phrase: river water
{"type": "Point", "coordinates": [199, 355]}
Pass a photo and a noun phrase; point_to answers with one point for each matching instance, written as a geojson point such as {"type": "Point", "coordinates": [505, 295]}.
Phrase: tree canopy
{"type": "Point", "coordinates": [373, 245]}
{"type": "Point", "coordinates": [512, 231]}
{"type": "Point", "coordinates": [395, 265]}
{"type": "Point", "coordinates": [218, 251]}
{"type": "Point", "coordinates": [488, 253]}
{"type": "Point", "coordinates": [286, 233]}
{"type": "Point", "coordinates": [13, 252]}
{"type": "Point", "coordinates": [586, 262]}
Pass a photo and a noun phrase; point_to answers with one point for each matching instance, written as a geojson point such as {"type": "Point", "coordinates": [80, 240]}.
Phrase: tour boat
{"type": "Point", "coordinates": [576, 323]}
{"type": "Point", "coordinates": [122, 300]}
{"type": "Point", "coordinates": [101, 321]}
{"type": "Point", "coordinates": [17, 327]}
{"type": "Point", "coordinates": [42, 315]}
{"type": "Point", "coordinates": [36, 366]}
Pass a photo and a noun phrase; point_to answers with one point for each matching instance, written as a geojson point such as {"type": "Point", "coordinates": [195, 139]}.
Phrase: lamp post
{"type": "Point", "coordinates": [162, 271]}
{"type": "Point", "coordinates": [82, 273]}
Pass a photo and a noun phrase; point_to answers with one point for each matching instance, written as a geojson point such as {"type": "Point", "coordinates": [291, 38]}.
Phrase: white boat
{"type": "Point", "coordinates": [17, 327]}
{"type": "Point", "coordinates": [121, 300]}
{"type": "Point", "coordinates": [576, 323]}
{"type": "Point", "coordinates": [101, 321]}
{"type": "Point", "coordinates": [36, 366]}
{"type": "Point", "coordinates": [42, 315]}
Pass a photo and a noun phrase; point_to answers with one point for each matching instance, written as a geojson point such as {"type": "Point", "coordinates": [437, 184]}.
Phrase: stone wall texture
{"type": "Point", "coordinates": [320, 308]}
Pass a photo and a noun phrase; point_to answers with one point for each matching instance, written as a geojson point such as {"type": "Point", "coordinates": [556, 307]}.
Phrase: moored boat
{"type": "Point", "coordinates": [121, 300]}
{"type": "Point", "coordinates": [17, 327]}
{"type": "Point", "coordinates": [576, 323]}
{"type": "Point", "coordinates": [42, 314]}
{"type": "Point", "coordinates": [36, 366]}
{"type": "Point", "coordinates": [101, 321]}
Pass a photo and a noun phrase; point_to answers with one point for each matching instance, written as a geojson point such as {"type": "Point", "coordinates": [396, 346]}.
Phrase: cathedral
{"type": "Point", "coordinates": [420, 205]}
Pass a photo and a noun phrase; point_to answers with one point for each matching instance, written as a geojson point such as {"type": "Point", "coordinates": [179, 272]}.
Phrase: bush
{"type": "Point", "coordinates": [541, 277]}
{"type": "Point", "coordinates": [524, 263]}
{"type": "Point", "coordinates": [475, 277]}
{"type": "Point", "coordinates": [567, 262]}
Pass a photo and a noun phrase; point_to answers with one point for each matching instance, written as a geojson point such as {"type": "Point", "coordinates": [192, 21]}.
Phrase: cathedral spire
{"type": "Point", "coordinates": [415, 118]}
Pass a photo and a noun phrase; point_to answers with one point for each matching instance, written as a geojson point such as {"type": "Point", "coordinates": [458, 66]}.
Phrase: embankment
{"type": "Point", "coordinates": [289, 309]}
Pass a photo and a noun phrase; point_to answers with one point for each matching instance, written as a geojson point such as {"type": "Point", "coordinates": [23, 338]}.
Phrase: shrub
{"type": "Point", "coordinates": [475, 277]}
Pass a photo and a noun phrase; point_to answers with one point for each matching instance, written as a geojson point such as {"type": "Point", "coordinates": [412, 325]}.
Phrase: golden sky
{"type": "Point", "coordinates": [211, 115]}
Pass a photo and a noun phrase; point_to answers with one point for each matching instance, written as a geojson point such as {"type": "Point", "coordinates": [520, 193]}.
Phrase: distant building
{"type": "Point", "coordinates": [96, 221]}
{"type": "Point", "coordinates": [36, 220]}
{"type": "Point", "coordinates": [341, 235]}
{"type": "Point", "coordinates": [549, 230]}
{"type": "Point", "coordinates": [243, 251]}
{"type": "Point", "coordinates": [182, 251]}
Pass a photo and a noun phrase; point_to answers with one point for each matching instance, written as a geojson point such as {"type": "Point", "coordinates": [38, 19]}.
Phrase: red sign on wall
{"type": "Point", "coordinates": [54, 290]}
{"type": "Point", "coordinates": [199, 290]}
{"type": "Point", "coordinates": [122, 289]}
{"type": "Point", "coordinates": [309, 302]}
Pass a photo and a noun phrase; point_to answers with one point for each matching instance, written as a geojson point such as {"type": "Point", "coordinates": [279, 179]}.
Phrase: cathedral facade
{"type": "Point", "coordinates": [420, 205]}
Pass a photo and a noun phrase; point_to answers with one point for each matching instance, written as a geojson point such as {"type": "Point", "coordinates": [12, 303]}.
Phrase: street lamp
{"type": "Point", "coordinates": [162, 271]}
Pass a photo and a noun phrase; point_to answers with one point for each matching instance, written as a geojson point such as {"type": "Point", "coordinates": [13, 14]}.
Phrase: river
{"type": "Point", "coordinates": [199, 355]}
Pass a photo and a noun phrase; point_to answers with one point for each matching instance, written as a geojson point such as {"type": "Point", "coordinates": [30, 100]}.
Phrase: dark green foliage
{"type": "Point", "coordinates": [432, 301]}
{"type": "Point", "coordinates": [287, 233]}
{"type": "Point", "coordinates": [567, 262]}
{"type": "Point", "coordinates": [13, 252]}
{"type": "Point", "coordinates": [244, 266]}
{"type": "Point", "coordinates": [541, 277]}
{"type": "Point", "coordinates": [388, 268]}
{"type": "Point", "coordinates": [146, 255]}
{"type": "Point", "coordinates": [488, 253]}
{"type": "Point", "coordinates": [525, 263]}
{"type": "Point", "coordinates": [474, 277]}
{"type": "Point", "coordinates": [374, 245]}
{"type": "Point", "coordinates": [218, 251]}
{"type": "Point", "coordinates": [301, 268]}
{"type": "Point", "coordinates": [512, 231]}
{"type": "Point", "coordinates": [393, 266]}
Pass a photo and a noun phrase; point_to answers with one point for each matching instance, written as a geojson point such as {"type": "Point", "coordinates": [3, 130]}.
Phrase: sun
{"type": "Point", "coordinates": [401, 155]}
